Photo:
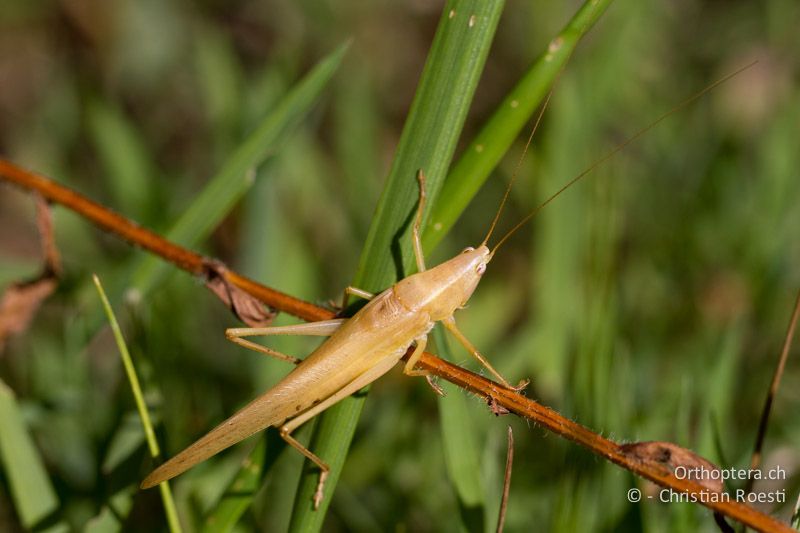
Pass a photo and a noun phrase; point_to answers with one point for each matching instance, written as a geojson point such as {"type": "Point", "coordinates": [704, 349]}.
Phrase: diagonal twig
{"type": "Point", "coordinates": [508, 399]}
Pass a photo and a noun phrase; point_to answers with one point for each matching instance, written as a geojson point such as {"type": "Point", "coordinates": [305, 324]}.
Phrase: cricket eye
{"type": "Point", "coordinates": [481, 269]}
{"type": "Point", "coordinates": [467, 250]}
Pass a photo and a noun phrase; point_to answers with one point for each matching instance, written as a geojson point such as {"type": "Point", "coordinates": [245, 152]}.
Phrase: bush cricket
{"type": "Point", "coordinates": [362, 348]}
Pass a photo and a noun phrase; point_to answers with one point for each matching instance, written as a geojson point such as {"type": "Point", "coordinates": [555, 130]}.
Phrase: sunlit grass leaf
{"type": "Point", "coordinates": [236, 175]}
{"type": "Point", "coordinates": [127, 167]}
{"type": "Point", "coordinates": [111, 517]}
{"type": "Point", "coordinates": [220, 75]}
{"type": "Point", "coordinates": [128, 438]}
{"type": "Point", "coordinates": [494, 139]}
{"type": "Point", "coordinates": [141, 406]}
{"type": "Point", "coordinates": [429, 138]}
{"type": "Point", "coordinates": [31, 490]}
{"type": "Point", "coordinates": [239, 495]}
{"type": "Point", "coordinates": [461, 450]}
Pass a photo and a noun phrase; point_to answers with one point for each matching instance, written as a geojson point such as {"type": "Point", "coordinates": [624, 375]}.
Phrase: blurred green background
{"type": "Point", "coordinates": [648, 303]}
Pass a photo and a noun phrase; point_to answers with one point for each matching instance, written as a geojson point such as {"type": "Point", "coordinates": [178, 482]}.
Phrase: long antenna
{"type": "Point", "coordinates": [519, 163]}
{"type": "Point", "coordinates": [525, 150]}
{"type": "Point", "coordinates": [617, 149]}
{"type": "Point", "coordinates": [530, 140]}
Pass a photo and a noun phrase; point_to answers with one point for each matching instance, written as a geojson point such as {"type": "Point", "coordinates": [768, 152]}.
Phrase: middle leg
{"type": "Point", "coordinates": [354, 291]}
{"type": "Point", "coordinates": [409, 369]}
{"type": "Point", "coordinates": [322, 328]}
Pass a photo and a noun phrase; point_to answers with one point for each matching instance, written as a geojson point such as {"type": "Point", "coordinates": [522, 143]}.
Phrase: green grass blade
{"type": "Point", "coordinates": [499, 132]}
{"type": "Point", "coordinates": [127, 166]}
{"type": "Point", "coordinates": [110, 517]}
{"type": "Point", "coordinates": [33, 494]}
{"type": "Point", "coordinates": [461, 451]}
{"type": "Point", "coordinates": [357, 120]}
{"type": "Point", "coordinates": [126, 441]}
{"type": "Point", "coordinates": [220, 76]}
{"type": "Point", "coordinates": [141, 406]}
{"type": "Point", "coordinates": [240, 493]}
{"type": "Point", "coordinates": [236, 176]}
{"type": "Point", "coordinates": [429, 138]}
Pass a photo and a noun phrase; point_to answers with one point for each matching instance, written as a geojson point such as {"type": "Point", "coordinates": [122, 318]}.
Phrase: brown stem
{"type": "Point", "coordinates": [612, 451]}
{"type": "Point", "coordinates": [501, 515]}
{"type": "Point", "coordinates": [755, 460]}
{"type": "Point", "coordinates": [493, 392]}
{"type": "Point", "coordinates": [132, 232]}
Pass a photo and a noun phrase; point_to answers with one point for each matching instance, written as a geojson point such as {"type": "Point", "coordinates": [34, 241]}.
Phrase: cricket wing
{"type": "Point", "coordinates": [252, 418]}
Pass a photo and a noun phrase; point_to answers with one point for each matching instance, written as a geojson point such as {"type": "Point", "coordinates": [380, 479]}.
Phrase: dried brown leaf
{"type": "Point", "coordinates": [683, 463]}
{"type": "Point", "coordinates": [44, 221]}
{"type": "Point", "coordinates": [246, 307]}
{"type": "Point", "coordinates": [19, 304]}
{"type": "Point", "coordinates": [21, 301]}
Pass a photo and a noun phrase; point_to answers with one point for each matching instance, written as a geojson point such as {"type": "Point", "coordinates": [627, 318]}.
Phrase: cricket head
{"type": "Point", "coordinates": [470, 265]}
{"type": "Point", "coordinates": [444, 288]}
